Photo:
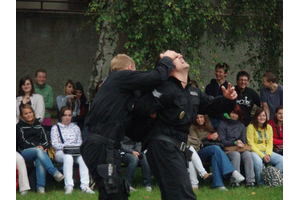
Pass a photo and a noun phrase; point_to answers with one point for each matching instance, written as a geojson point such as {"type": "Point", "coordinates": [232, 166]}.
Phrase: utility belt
{"type": "Point", "coordinates": [181, 145]}
{"type": "Point", "coordinates": [108, 171]}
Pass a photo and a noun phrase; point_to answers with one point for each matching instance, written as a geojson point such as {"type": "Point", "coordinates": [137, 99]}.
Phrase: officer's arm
{"type": "Point", "coordinates": [215, 105]}
{"type": "Point", "coordinates": [148, 80]}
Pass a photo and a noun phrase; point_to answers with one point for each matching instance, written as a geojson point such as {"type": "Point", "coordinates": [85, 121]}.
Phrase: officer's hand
{"type": "Point", "coordinates": [169, 53]}
{"type": "Point", "coordinates": [153, 115]}
{"type": "Point", "coordinates": [230, 92]}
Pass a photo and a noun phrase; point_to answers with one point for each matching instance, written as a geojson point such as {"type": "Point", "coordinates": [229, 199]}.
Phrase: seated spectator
{"type": "Point", "coordinates": [26, 95]}
{"type": "Point", "coordinates": [84, 105]}
{"type": "Point", "coordinates": [23, 177]}
{"type": "Point", "coordinates": [232, 132]}
{"type": "Point", "coordinates": [46, 91]}
{"type": "Point", "coordinates": [247, 97]}
{"type": "Point", "coordinates": [214, 89]}
{"type": "Point", "coordinates": [72, 137]}
{"type": "Point", "coordinates": [196, 165]}
{"type": "Point", "coordinates": [277, 126]}
{"type": "Point", "coordinates": [221, 166]}
{"type": "Point", "coordinates": [69, 99]}
{"type": "Point", "coordinates": [132, 156]}
{"type": "Point", "coordinates": [260, 137]}
{"type": "Point", "coordinates": [32, 144]}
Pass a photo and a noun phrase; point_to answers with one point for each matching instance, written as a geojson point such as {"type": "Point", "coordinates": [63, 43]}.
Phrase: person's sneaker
{"type": "Point", "coordinates": [222, 188]}
{"type": "Point", "coordinates": [41, 190]}
{"type": "Point", "coordinates": [237, 177]}
{"type": "Point", "coordinates": [87, 190]}
{"type": "Point", "coordinates": [24, 192]}
{"type": "Point", "coordinates": [58, 176]}
{"type": "Point", "coordinates": [69, 190]}
{"type": "Point", "coordinates": [148, 189]}
{"type": "Point", "coordinates": [132, 189]}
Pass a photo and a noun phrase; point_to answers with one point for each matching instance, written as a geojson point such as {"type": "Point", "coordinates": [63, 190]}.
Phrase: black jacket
{"type": "Point", "coordinates": [230, 130]}
{"type": "Point", "coordinates": [214, 89]}
{"type": "Point", "coordinates": [110, 112]}
{"type": "Point", "coordinates": [28, 135]}
{"type": "Point", "coordinates": [177, 107]}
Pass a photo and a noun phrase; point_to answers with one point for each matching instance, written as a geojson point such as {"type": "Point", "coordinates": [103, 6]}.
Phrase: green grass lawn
{"type": "Point", "coordinates": [55, 190]}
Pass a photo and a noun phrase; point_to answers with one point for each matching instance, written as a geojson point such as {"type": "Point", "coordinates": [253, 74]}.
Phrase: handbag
{"type": "Point", "coordinates": [230, 149]}
{"type": "Point", "coordinates": [278, 148]}
{"type": "Point", "coordinates": [51, 152]}
{"type": "Point", "coordinates": [208, 142]}
{"type": "Point", "coordinates": [73, 150]}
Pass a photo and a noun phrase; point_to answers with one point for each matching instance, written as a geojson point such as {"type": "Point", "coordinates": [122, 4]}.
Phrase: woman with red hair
{"type": "Point", "coordinates": [232, 132]}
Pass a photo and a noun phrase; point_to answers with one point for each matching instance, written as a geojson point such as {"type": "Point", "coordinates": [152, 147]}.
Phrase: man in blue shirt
{"type": "Point", "coordinates": [271, 94]}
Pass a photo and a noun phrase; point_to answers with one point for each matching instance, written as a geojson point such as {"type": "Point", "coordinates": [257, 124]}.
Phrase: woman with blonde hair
{"type": "Point", "coordinates": [32, 144]}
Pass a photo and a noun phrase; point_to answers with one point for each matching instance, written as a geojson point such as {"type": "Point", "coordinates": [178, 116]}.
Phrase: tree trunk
{"type": "Point", "coordinates": [107, 45]}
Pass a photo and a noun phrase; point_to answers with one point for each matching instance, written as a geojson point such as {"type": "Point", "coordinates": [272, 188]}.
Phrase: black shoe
{"type": "Point", "coordinates": [209, 177]}
{"type": "Point", "coordinates": [250, 185]}
{"type": "Point", "coordinates": [235, 185]}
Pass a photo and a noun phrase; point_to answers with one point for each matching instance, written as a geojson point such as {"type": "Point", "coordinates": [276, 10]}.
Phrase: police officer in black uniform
{"type": "Point", "coordinates": [109, 117]}
{"type": "Point", "coordinates": [176, 104]}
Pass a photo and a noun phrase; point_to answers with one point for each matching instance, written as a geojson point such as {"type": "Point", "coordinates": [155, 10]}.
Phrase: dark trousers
{"type": "Point", "coordinates": [169, 166]}
{"type": "Point", "coordinates": [94, 154]}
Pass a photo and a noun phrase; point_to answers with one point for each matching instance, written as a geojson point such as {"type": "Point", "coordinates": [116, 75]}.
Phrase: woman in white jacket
{"type": "Point", "coordinates": [72, 137]}
{"type": "Point", "coordinates": [27, 95]}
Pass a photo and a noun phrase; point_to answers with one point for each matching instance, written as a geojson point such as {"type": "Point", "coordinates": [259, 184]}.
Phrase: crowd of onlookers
{"type": "Point", "coordinates": [229, 141]}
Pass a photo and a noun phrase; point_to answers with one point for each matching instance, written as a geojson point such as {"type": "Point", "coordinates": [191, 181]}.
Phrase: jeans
{"type": "Point", "coordinates": [132, 162]}
{"type": "Point", "coordinates": [220, 163]}
{"type": "Point", "coordinates": [42, 163]}
{"type": "Point", "coordinates": [275, 159]}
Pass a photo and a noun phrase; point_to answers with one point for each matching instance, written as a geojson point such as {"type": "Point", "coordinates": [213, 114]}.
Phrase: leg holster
{"type": "Point", "coordinates": [109, 171]}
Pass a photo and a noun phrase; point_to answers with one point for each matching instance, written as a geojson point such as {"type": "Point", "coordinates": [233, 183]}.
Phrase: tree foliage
{"type": "Point", "coordinates": [152, 26]}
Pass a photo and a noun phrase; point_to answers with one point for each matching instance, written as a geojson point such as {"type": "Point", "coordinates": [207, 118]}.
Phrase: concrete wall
{"type": "Point", "coordinates": [59, 43]}
{"type": "Point", "coordinates": [65, 48]}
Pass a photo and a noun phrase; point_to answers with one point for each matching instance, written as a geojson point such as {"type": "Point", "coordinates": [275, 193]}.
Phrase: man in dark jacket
{"type": "Point", "coordinates": [109, 117]}
{"type": "Point", "coordinates": [132, 156]}
{"type": "Point", "coordinates": [176, 104]}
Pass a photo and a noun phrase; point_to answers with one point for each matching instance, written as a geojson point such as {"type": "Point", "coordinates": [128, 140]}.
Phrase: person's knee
{"type": "Point", "coordinates": [258, 162]}
{"type": "Point", "coordinates": [235, 155]}
{"type": "Point", "coordinates": [68, 159]}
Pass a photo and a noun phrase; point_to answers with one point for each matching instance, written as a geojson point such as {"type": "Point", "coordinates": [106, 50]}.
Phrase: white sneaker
{"type": "Point", "coordinates": [41, 190]}
{"type": "Point", "coordinates": [24, 192]}
{"type": "Point", "coordinates": [148, 189]}
{"type": "Point", "coordinates": [237, 176]}
{"type": "Point", "coordinates": [87, 190]}
{"type": "Point", "coordinates": [223, 188]}
{"type": "Point", "coordinates": [69, 190]}
{"type": "Point", "coordinates": [132, 189]}
{"type": "Point", "coordinates": [58, 176]}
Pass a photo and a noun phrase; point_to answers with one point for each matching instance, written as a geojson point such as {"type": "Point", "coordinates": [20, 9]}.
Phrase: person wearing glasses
{"type": "Point", "coordinates": [247, 97]}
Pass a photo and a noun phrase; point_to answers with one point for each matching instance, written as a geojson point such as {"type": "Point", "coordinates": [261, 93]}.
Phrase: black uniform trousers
{"type": "Point", "coordinates": [169, 166]}
{"type": "Point", "coordinates": [93, 154]}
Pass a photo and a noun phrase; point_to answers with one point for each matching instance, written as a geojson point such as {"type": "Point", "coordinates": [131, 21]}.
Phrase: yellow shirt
{"type": "Point", "coordinates": [260, 140]}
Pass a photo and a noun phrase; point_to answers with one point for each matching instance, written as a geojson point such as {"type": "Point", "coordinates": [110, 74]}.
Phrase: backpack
{"type": "Point", "coordinates": [272, 176]}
